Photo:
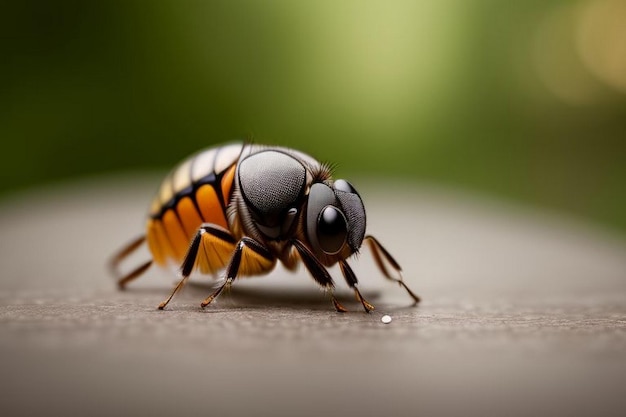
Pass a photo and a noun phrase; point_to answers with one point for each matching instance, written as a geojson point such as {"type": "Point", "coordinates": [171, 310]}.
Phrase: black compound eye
{"type": "Point", "coordinates": [332, 230]}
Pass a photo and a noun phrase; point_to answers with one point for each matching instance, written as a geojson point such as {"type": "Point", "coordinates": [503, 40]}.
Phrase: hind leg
{"type": "Point", "coordinates": [122, 254]}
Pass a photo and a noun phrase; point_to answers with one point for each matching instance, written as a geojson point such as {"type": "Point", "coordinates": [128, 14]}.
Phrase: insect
{"type": "Point", "coordinates": [242, 208]}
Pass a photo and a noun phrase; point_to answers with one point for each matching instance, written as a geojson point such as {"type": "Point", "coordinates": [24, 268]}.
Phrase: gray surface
{"type": "Point", "coordinates": [524, 313]}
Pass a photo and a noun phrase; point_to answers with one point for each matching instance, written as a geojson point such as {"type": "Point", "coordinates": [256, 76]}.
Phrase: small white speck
{"type": "Point", "coordinates": [386, 319]}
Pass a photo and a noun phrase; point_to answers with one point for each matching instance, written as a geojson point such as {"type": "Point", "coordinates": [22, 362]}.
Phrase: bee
{"type": "Point", "coordinates": [243, 207]}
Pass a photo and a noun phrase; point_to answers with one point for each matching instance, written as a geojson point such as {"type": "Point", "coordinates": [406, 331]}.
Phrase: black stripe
{"type": "Point", "coordinates": [189, 191]}
{"type": "Point", "coordinates": [212, 179]}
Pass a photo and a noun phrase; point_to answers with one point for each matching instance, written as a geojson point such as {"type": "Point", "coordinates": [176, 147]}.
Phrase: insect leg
{"type": "Point", "coordinates": [249, 257]}
{"type": "Point", "coordinates": [352, 281]}
{"type": "Point", "coordinates": [115, 261]}
{"type": "Point", "coordinates": [379, 252]}
{"type": "Point", "coordinates": [218, 239]}
{"type": "Point", "coordinates": [317, 270]}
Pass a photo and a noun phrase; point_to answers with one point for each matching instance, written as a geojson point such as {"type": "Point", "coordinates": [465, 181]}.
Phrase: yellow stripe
{"type": "Point", "coordinates": [210, 206]}
{"type": "Point", "coordinates": [176, 234]}
{"type": "Point", "coordinates": [158, 243]}
{"type": "Point", "coordinates": [189, 217]}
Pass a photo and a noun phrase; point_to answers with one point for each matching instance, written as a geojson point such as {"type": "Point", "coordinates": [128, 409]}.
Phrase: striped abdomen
{"type": "Point", "coordinates": [197, 191]}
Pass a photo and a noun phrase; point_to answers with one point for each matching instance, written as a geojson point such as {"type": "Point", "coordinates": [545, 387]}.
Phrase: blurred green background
{"type": "Point", "coordinates": [522, 100]}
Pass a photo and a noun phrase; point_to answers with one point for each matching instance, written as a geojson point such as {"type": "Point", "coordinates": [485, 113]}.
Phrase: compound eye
{"type": "Point", "coordinates": [345, 186]}
{"type": "Point", "coordinates": [332, 230]}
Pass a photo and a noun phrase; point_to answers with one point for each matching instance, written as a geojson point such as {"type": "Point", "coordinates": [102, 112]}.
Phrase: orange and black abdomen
{"type": "Point", "coordinates": [197, 191]}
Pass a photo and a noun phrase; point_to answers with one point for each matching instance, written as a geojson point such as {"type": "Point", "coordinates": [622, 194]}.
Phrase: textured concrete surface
{"type": "Point", "coordinates": [524, 313]}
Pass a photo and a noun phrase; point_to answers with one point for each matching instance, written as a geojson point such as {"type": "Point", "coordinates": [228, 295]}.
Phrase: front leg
{"type": "Point", "coordinates": [380, 256]}
{"type": "Point", "coordinates": [318, 272]}
{"type": "Point", "coordinates": [352, 281]}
